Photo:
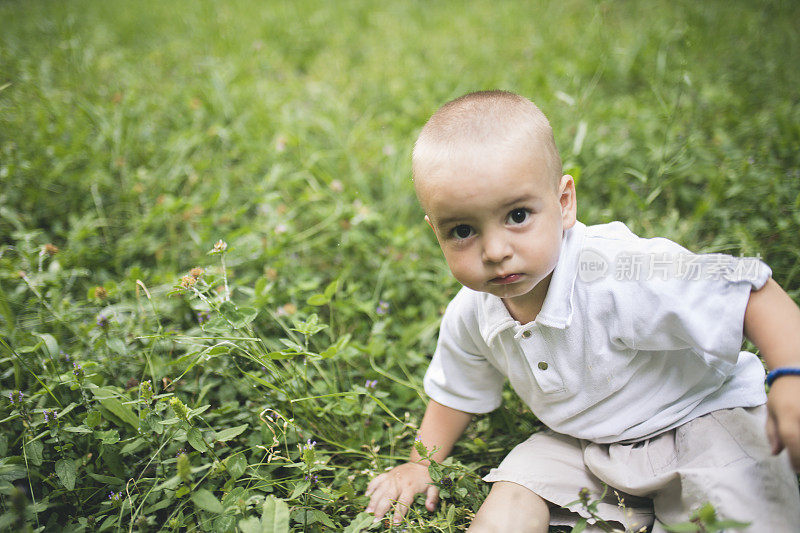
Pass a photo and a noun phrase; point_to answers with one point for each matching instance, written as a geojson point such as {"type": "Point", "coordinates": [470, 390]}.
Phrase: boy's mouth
{"type": "Point", "coordinates": [503, 280]}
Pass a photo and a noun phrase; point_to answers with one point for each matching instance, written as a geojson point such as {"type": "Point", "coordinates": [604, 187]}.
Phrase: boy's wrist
{"type": "Point", "coordinates": [782, 371]}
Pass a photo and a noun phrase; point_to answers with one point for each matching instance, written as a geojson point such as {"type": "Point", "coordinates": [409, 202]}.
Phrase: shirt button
{"type": "Point", "coordinates": [542, 365]}
{"type": "Point", "coordinates": [527, 334]}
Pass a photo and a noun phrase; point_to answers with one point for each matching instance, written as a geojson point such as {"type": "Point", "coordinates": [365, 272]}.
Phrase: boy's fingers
{"type": "Point", "coordinates": [380, 501]}
{"type": "Point", "coordinates": [431, 497]}
{"type": "Point", "coordinates": [380, 507]}
{"type": "Point", "coordinates": [402, 505]}
{"type": "Point", "coordinates": [372, 485]}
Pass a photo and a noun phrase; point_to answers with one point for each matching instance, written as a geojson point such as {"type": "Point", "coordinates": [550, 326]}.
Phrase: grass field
{"type": "Point", "coordinates": [135, 135]}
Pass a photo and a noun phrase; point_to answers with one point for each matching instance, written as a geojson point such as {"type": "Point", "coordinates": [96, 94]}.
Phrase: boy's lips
{"type": "Point", "coordinates": [503, 280]}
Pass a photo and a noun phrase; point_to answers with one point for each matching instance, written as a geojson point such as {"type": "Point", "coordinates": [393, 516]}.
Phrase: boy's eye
{"type": "Point", "coordinates": [518, 216]}
{"type": "Point", "coordinates": [462, 231]}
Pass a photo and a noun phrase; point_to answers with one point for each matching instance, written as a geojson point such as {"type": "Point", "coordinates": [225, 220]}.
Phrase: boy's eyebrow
{"type": "Point", "coordinates": [505, 205]}
{"type": "Point", "coordinates": [520, 199]}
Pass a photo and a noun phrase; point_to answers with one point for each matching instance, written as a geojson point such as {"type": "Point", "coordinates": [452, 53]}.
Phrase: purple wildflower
{"type": "Point", "coordinates": [312, 478]}
{"type": "Point", "coordinates": [50, 416]}
{"type": "Point", "coordinates": [383, 307]}
{"type": "Point", "coordinates": [77, 369]}
{"type": "Point", "coordinates": [102, 321]}
{"type": "Point", "coordinates": [309, 445]}
{"type": "Point", "coordinates": [202, 317]}
{"type": "Point", "coordinates": [15, 397]}
{"type": "Point", "coordinates": [371, 384]}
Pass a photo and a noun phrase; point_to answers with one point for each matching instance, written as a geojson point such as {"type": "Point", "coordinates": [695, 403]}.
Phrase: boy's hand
{"type": "Point", "coordinates": [783, 422]}
{"type": "Point", "coordinates": [397, 488]}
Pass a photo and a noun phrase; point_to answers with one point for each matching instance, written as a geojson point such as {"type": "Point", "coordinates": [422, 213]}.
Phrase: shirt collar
{"type": "Point", "coordinates": [556, 311]}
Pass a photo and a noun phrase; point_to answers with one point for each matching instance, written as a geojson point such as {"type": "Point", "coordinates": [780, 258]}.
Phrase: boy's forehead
{"type": "Point", "coordinates": [446, 195]}
{"type": "Point", "coordinates": [482, 169]}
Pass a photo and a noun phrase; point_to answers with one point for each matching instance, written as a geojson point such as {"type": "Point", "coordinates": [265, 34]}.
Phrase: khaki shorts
{"type": "Point", "coordinates": [722, 458]}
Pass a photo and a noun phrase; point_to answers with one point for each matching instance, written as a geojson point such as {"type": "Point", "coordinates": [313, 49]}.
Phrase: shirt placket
{"type": "Point", "coordinates": [533, 343]}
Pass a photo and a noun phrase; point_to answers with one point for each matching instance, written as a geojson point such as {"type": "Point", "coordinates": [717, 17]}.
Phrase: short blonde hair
{"type": "Point", "coordinates": [496, 118]}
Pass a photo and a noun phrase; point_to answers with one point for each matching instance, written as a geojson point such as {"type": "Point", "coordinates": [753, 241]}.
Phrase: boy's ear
{"type": "Point", "coordinates": [568, 200]}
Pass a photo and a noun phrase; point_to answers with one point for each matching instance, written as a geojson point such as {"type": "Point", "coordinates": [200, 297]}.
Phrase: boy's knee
{"type": "Point", "coordinates": [511, 507]}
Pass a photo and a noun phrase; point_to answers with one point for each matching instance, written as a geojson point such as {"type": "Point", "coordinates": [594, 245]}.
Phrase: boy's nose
{"type": "Point", "coordinates": [496, 250]}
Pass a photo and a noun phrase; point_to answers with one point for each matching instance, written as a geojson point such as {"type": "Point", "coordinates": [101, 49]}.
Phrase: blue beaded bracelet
{"type": "Point", "coordinates": [783, 371]}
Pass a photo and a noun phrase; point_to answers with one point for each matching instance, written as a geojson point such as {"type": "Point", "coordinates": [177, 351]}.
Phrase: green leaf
{"type": "Point", "coordinates": [158, 506]}
{"type": "Point", "coordinates": [12, 472]}
{"type": "Point", "coordinates": [261, 381]}
{"type": "Point", "coordinates": [131, 447]}
{"type": "Point", "coordinates": [107, 437]}
{"type": "Point", "coordinates": [28, 349]}
{"type": "Point", "coordinates": [360, 522]}
{"type": "Point", "coordinates": [299, 489]}
{"type": "Point", "coordinates": [93, 418]}
{"type": "Point", "coordinates": [317, 299]}
{"type": "Point", "coordinates": [238, 317]}
{"type": "Point", "coordinates": [206, 501]}
{"type": "Point", "coordinates": [236, 465]}
{"type": "Point", "coordinates": [228, 434]}
{"type": "Point", "coordinates": [250, 525]}
{"type": "Point", "coordinates": [275, 516]}
{"type": "Point", "coordinates": [77, 429]}
{"type": "Point", "coordinates": [108, 480]}
{"type": "Point", "coordinates": [224, 523]}
{"type": "Point", "coordinates": [219, 349]}
{"type": "Point", "coordinates": [199, 411]}
{"type": "Point", "coordinates": [5, 311]}
{"type": "Point", "coordinates": [67, 472]}
{"type": "Point", "coordinates": [281, 355]}
{"type": "Point", "coordinates": [217, 324]}
{"type": "Point", "coordinates": [335, 348]}
{"type": "Point", "coordinates": [108, 399]}
{"type": "Point", "coordinates": [293, 345]}
{"type": "Point", "coordinates": [50, 343]}
{"type": "Point", "coordinates": [248, 315]}
{"type": "Point", "coordinates": [435, 471]}
{"type": "Point", "coordinates": [195, 439]}
{"type": "Point", "coordinates": [330, 290]}
{"type": "Point", "coordinates": [315, 515]}
{"type": "Point", "coordinates": [34, 450]}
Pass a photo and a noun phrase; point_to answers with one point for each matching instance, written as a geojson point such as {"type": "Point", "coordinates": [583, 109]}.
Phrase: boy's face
{"type": "Point", "coordinates": [499, 220]}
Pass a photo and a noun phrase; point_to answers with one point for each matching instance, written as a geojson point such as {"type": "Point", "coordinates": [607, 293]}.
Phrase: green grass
{"type": "Point", "coordinates": [133, 136]}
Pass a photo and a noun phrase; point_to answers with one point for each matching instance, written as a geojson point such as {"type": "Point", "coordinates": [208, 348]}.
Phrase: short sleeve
{"type": "Point", "coordinates": [682, 300]}
{"type": "Point", "coordinates": [460, 376]}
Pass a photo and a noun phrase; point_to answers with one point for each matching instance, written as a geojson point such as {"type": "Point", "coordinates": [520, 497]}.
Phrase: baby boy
{"type": "Point", "coordinates": [626, 349]}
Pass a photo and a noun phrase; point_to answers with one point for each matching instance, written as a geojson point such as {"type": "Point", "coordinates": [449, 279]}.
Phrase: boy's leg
{"type": "Point", "coordinates": [551, 466]}
{"type": "Point", "coordinates": [724, 458]}
{"type": "Point", "coordinates": [511, 507]}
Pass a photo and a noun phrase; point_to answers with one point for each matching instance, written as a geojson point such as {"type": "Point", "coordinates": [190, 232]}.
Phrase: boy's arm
{"type": "Point", "coordinates": [772, 322]}
{"type": "Point", "coordinates": [441, 427]}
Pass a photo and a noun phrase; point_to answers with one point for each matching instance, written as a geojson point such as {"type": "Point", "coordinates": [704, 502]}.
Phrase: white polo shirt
{"type": "Point", "coordinates": [635, 337]}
